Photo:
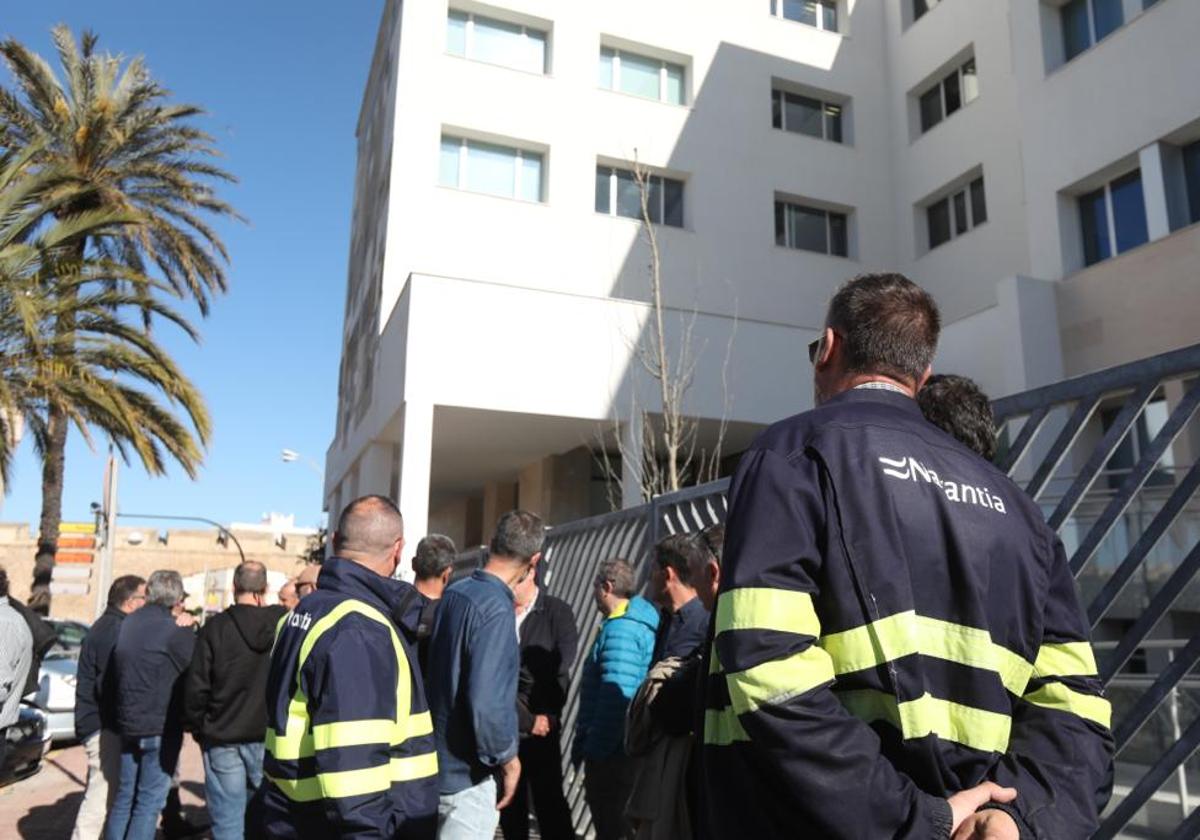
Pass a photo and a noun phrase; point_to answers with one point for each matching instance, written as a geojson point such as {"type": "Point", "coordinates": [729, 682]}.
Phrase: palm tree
{"type": "Point", "coordinates": [107, 125]}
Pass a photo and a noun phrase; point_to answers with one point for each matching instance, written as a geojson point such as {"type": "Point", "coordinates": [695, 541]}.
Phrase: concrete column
{"type": "Point", "coordinates": [498, 497]}
{"type": "Point", "coordinates": [1154, 191]}
{"type": "Point", "coordinates": [416, 452]}
{"type": "Point", "coordinates": [1028, 311]}
{"type": "Point", "coordinates": [375, 469]}
{"type": "Point", "coordinates": [632, 444]}
{"type": "Point", "coordinates": [534, 486]}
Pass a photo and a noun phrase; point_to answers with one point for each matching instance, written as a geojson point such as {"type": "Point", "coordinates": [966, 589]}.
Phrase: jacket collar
{"type": "Point", "coordinates": [115, 612]}
{"type": "Point", "coordinates": [878, 396]}
{"type": "Point", "coordinates": [356, 581]}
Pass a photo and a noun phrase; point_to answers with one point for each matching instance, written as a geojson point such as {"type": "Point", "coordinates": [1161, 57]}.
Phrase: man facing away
{"type": "Point", "coordinates": [684, 621]}
{"type": "Point", "coordinates": [150, 658]}
{"type": "Point", "coordinates": [612, 672]}
{"type": "Point", "coordinates": [957, 406]}
{"type": "Point", "coordinates": [473, 663]}
{"type": "Point", "coordinates": [899, 650]}
{"type": "Point", "coordinates": [432, 564]}
{"type": "Point", "coordinates": [225, 698]}
{"type": "Point", "coordinates": [95, 706]}
{"type": "Point", "coordinates": [16, 658]}
{"type": "Point", "coordinates": [349, 746]}
{"type": "Point", "coordinates": [549, 641]}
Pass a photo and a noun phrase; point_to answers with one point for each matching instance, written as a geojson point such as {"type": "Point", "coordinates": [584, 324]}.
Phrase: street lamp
{"type": "Point", "coordinates": [291, 456]}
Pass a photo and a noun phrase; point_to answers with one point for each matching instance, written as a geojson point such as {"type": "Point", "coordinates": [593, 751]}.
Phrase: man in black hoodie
{"type": "Point", "coordinates": [225, 702]}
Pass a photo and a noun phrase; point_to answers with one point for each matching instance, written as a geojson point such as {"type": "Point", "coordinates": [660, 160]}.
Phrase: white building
{"type": "Point", "coordinates": [1034, 163]}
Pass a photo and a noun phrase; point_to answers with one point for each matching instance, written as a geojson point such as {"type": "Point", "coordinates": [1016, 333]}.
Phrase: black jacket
{"type": "Point", "coordinates": [95, 700]}
{"type": "Point", "coordinates": [225, 699]}
{"type": "Point", "coordinates": [150, 658]}
{"type": "Point", "coordinates": [549, 642]}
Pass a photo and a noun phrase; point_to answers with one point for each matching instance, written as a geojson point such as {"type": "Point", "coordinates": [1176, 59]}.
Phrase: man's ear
{"type": "Point", "coordinates": [446, 575]}
{"type": "Point", "coordinates": [924, 377]}
{"type": "Point", "coordinates": [827, 349]}
{"type": "Point", "coordinates": [534, 560]}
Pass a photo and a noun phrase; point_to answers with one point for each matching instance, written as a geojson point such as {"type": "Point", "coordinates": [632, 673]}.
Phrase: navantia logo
{"type": "Point", "coordinates": [910, 469]}
{"type": "Point", "coordinates": [301, 620]}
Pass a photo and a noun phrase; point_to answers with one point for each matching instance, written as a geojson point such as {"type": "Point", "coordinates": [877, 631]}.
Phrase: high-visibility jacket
{"type": "Point", "coordinates": [896, 623]}
{"type": "Point", "coordinates": [349, 743]}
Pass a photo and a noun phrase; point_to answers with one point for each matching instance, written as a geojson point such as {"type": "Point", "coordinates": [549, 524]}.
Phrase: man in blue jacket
{"type": "Point", "coordinates": [614, 669]}
{"type": "Point", "coordinates": [474, 658]}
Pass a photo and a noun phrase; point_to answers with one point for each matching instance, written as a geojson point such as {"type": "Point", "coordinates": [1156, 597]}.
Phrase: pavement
{"type": "Point", "coordinates": [43, 806]}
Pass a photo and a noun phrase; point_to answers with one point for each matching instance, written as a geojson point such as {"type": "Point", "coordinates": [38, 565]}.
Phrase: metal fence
{"type": "Point", "coordinates": [1112, 459]}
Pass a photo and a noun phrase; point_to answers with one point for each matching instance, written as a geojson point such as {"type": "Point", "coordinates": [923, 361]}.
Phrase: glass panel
{"type": "Point", "coordinates": [534, 52]}
{"type": "Point", "coordinates": [654, 197]}
{"type": "Point", "coordinates": [1129, 211]}
{"type": "Point", "coordinates": [606, 68]}
{"type": "Point", "coordinates": [939, 223]}
{"type": "Point", "coordinates": [803, 115]}
{"type": "Point", "coordinates": [448, 162]}
{"type": "Point", "coordinates": [1191, 175]}
{"type": "Point", "coordinates": [808, 229]}
{"type": "Point", "coordinates": [780, 226]}
{"type": "Point", "coordinates": [456, 33]}
{"type": "Point", "coordinates": [978, 203]}
{"type": "Point", "coordinates": [639, 75]}
{"type": "Point", "coordinates": [531, 176]}
{"type": "Point", "coordinates": [833, 123]}
{"type": "Point", "coordinates": [497, 42]}
{"type": "Point", "coordinates": [953, 94]}
{"type": "Point", "coordinates": [603, 177]}
{"type": "Point", "coordinates": [931, 108]}
{"type": "Point", "coordinates": [1094, 221]}
{"type": "Point", "coordinates": [970, 82]}
{"type": "Point", "coordinates": [673, 203]}
{"type": "Point", "coordinates": [674, 93]}
{"type": "Point", "coordinates": [629, 197]}
{"type": "Point", "coordinates": [961, 225]}
{"type": "Point", "coordinates": [491, 169]}
{"type": "Point", "coordinates": [1108, 16]}
{"type": "Point", "coordinates": [1077, 35]}
{"type": "Point", "coordinates": [919, 8]}
{"type": "Point", "coordinates": [829, 16]}
{"type": "Point", "coordinates": [776, 109]}
{"type": "Point", "coordinates": [804, 11]}
{"type": "Point", "coordinates": [837, 235]}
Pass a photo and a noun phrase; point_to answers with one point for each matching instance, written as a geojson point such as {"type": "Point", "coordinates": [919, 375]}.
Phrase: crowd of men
{"type": "Point", "coordinates": [883, 641]}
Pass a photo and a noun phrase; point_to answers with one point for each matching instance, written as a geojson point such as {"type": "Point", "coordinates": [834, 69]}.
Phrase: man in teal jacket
{"type": "Point", "coordinates": [612, 673]}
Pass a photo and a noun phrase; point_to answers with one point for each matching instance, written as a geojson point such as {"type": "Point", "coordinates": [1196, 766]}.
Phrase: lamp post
{"type": "Point", "coordinates": [291, 456]}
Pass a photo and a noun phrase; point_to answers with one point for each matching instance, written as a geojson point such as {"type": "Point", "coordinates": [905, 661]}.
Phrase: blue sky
{"type": "Point", "coordinates": [282, 83]}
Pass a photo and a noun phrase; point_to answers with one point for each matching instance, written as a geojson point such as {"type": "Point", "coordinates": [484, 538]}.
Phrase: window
{"type": "Point", "coordinates": [1136, 441]}
{"type": "Point", "coordinates": [810, 229]}
{"type": "Point", "coordinates": [617, 194]}
{"type": "Point", "coordinates": [1084, 22]}
{"type": "Point", "coordinates": [948, 95]}
{"type": "Point", "coordinates": [920, 7]}
{"type": "Point", "coordinates": [823, 14]}
{"type": "Point", "coordinates": [1113, 218]}
{"type": "Point", "coordinates": [496, 42]}
{"type": "Point", "coordinates": [805, 115]}
{"type": "Point", "coordinates": [1191, 175]}
{"type": "Point", "coordinates": [956, 214]}
{"type": "Point", "coordinates": [639, 75]}
{"type": "Point", "coordinates": [490, 168]}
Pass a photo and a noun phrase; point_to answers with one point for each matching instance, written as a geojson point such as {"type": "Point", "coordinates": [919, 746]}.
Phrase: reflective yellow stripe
{"type": "Point", "coordinates": [297, 741]}
{"type": "Point", "coordinates": [1065, 659]}
{"type": "Point", "coordinates": [779, 680]}
{"type": "Point", "coordinates": [907, 633]}
{"type": "Point", "coordinates": [418, 725]}
{"type": "Point", "coordinates": [767, 609]}
{"type": "Point", "coordinates": [352, 733]}
{"type": "Point", "coordinates": [722, 727]}
{"type": "Point", "coordinates": [1087, 706]}
{"type": "Point", "coordinates": [344, 783]}
{"type": "Point", "coordinates": [929, 715]}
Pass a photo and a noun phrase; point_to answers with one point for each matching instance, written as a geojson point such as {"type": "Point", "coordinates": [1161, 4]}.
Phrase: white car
{"type": "Point", "coordinates": [55, 695]}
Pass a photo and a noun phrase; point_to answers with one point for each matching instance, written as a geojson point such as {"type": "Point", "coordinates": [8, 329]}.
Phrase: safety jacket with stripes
{"type": "Point", "coordinates": [349, 744]}
{"type": "Point", "coordinates": [896, 623]}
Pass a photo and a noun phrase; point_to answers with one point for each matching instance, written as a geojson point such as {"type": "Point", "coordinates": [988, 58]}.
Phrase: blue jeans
{"type": "Point", "coordinates": [232, 773]}
{"type": "Point", "coordinates": [147, 765]}
{"type": "Point", "coordinates": [469, 814]}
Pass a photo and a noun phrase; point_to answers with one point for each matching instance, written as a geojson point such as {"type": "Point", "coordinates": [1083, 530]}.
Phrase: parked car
{"type": "Point", "coordinates": [28, 741]}
{"type": "Point", "coordinates": [55, 696]}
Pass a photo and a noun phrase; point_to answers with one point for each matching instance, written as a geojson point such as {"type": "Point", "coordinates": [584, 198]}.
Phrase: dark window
{"type": "Point", "coordinates": [829, 17]}
{"type": "Point", "coordinates": [931, 108]}
{"type": "Point", "coordinates": [804, 11]}
{"type": "Point", "coordinates": [806, 115]}
{"type": "Point", "coordinates": [780, 223]}
{"type": "Point", "coordinates": [1094, 218]}
{"type": "Point", "coordinates": [833, 123]}
{"type": "Point", "coordinates": [629, 197]}
{"type": "Point", "coordinates": [939, 223]}
{"type": "Point", "coordinates": [1077, 32]}
{"type": "Point", "coordinates": [810, 229]}
{"type": "Point", "coordinates": [978, 203]}
{"type": "Point", "coordinates": [664, 196]}
{"type": "Point", "coordinates": [838, 239]}
{"type": "Point", "coordinates": [1129, 211]}
{"type": "Point", "coordinates": [673, 203]}
{"type": "Point", "coordinates": [803, 115]}
{"type": "Point", "coordinates": [603, 177]}
{"type": "Point", "coordinates": [1108, 17]}
{"type": "Point", "coordinates": [920, 7]}
{"type": "Point", "coordinates": [953, 93]}
{"type": "Point", "coordinates": [776, 109]}
{"type": "Point", "coordinates": [1191, 175]}
{"type": "Point", "coordinates": [961, 223]}
{"type": "Point", "coordinates": [654, 197]}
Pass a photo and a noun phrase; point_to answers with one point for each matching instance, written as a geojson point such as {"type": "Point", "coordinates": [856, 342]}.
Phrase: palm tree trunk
{"type": "Point", "coordinates": [53, 463]}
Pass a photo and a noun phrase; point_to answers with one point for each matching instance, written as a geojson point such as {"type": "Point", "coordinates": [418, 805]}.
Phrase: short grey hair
{"type": "Point", "coordinates": [250, 578]}
{"type": "Point", "coordinates": [165, 588]}
{"type": "Point", "coordinates": [519, 535]}
{"type": "Point", "coordinates": [435, 553]}
{"type": "Point", "coordinates": [619, 573]}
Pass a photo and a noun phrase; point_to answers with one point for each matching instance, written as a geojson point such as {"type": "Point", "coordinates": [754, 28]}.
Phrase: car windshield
{"type": "Point", "coordinates": [69, 637]}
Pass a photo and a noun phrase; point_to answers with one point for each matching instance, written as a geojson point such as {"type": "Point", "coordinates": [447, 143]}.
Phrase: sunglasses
{"type": "Point", "coordinates": [814, 348]}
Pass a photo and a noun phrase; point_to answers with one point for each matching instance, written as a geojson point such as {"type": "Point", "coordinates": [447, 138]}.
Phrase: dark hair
{"type": "Point", "coordinates": [619, 573]}
{"type": "Point", "coordinates": [888, 325]}
{"type": "Point", "coordinates": [3, 583]}
{"type": "Point", "coordinates": [369, 524]}
{"type": "Point", "coordinates": [435, 553]}
{"type": "Point", "coordinates": [519, 534]}
{"type": "Point", "coordinates": [250, 578]}
{"type": "Point", "coordinates": [122, 589]}
{"type": "Point", "coordinates": [680, 552]}
{"type": "Point", "coordinates": [957, 406]}
{"type": "Point", "coordinates": [714, 540]}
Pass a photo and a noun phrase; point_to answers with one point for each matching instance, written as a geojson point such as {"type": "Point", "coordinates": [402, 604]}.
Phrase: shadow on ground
{"type": "Point", "coordinates": [50, 822]}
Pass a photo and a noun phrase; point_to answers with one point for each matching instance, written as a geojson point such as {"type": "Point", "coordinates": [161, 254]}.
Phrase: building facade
{"type": "Point", "coordinates": [1033, 163]}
